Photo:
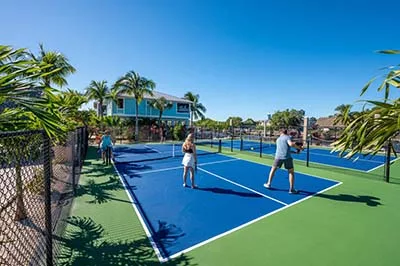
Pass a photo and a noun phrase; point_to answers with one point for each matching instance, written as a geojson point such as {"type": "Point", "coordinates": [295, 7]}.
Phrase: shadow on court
{"type": "Point", "coordinates": [369, 200]}
{"type": "Point", "coordinates": [85, 243]}
{"type": "Point", "coordinates": [230, 192]}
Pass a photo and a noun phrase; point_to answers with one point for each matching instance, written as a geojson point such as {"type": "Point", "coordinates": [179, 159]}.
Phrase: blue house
{"type": "Point", "coordinates": [126, 107]}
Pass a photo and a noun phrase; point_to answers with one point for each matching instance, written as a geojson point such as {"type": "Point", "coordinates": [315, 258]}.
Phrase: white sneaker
{"type": "Point", "coordinates": [267, 186]}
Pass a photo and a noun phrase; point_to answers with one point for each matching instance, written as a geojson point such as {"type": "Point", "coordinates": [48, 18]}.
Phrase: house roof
{"type": "Point", "coordinates": [328, 122]}
{"type": "Point", "coordinates": [157, 94]}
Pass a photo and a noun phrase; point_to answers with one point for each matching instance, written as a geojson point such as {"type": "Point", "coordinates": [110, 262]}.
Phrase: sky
{"type": "Point", "coordinates": [244, 58]}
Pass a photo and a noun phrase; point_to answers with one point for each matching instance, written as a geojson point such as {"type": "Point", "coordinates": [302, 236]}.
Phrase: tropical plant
{"type": "Point", "coordinates": [197, 109]}
{"type": "Point", "coordinates": [59, 67]}
{"type": "Point", "coordinates": [25, 104]}
{"type": "Point", "coordinates": [372, 129]}
{"type": "Point", "coordinates": [287, 118]}
{"type": "Point", "coordinates": [135, 85]}
{"type": "Point", "coordinates": [98, 91]}
{"type": "Point", "coordinates": [161, 104]}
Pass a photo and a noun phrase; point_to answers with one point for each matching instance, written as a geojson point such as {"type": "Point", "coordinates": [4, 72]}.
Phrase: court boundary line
{"type": "Point", "coordinates": [392, 161]}
{"type": "Point", "coordinates": [251, 222]}
{"type": "Point", "coordinates": [154, 245]}
{"type": "Point", "coordinates": [330, 165]}
{"type": "Point", "coordinates": [141, 219]}
{"type": "Point", "coordinates": [242, 186]}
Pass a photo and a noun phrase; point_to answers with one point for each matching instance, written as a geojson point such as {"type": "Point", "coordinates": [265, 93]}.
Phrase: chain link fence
{"type": "Point", "coordinates": [38, 179]}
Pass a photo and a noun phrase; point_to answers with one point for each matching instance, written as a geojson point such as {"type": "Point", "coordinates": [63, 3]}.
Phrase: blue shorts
{"type": "Point", "coordinates": [287, 162]}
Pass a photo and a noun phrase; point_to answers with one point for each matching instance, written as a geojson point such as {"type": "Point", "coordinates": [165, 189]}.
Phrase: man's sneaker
{"type": "Point", "coordinates": [267, 186]}
{"type": "Point", "coordinates": [293, 191]}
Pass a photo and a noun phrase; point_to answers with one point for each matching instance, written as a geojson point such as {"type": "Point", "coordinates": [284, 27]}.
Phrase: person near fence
{"type": "Point", "coordinates": [106, 142]}
{"type": "Point", "coordinates": [283, 156]}
{"type": "Point", "coordinates": [189, 160]}
{"type": "Point", "coordinates": [163, 133]}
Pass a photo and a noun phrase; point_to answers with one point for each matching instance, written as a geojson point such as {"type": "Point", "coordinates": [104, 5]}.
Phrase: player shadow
{"type": "Point", "coordinates": [368, 200]}
{"type": "Point", "coordinates": [229, 192]}
{"type": "Point", "coordinates": [86, 242]}
{"type": "Point", "coordinates": [300, 192]}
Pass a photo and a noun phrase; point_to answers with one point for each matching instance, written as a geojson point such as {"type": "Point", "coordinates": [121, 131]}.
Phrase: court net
{"type": "Point", "coordinates": [151, 152]}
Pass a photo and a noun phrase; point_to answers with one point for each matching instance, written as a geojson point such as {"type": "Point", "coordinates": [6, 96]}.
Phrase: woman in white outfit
{"type": "Point", "coordinates": [189, 159]}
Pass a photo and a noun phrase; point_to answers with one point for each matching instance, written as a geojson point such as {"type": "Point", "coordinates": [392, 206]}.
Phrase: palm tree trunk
{"type": "Point", "coordinates": [20, 213]}
{"type": "Point", "coordinates": [159, 118]}
{"type": "Point", "coordinates": [137, 122]}
{"type": "Point", "coordinates": [191, 118]}
{"type": "Point", "coordinates": [100, 109]}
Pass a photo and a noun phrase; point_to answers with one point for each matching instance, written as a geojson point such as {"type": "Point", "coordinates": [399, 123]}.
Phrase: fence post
{"type": "Point", "coordinates": [260, 147]}
{"type": "Point", "coordinates": [308, 151]}
{"type": "Point", "coordinates": [47, 195]}
{"type": "Point", "coordinates": [73, 161]}
{"type": "Point", "coordinates": [387, 163]}
{"type": "Point", "coordinates": [232, 143]}
{"type": "Point", "coordinates": [219, 145]}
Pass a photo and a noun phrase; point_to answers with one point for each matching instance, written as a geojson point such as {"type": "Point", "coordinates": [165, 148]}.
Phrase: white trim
{"type": "Point", "coordinates": [392, 161]}
{"type": "Point", "coordinates": [138, 214]}
{"type": "Point", "coordinates": [155, 116]}
{"type": "Point", "coordinates": [154, 245]}
{"type": "Point", "coordinates": [248, 223]}
{"type": "Point", "coordinates": [247, 188]}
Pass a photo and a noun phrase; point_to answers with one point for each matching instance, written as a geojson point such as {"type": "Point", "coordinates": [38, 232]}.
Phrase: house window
{"type": "Point", "coordinates": [120, 103]}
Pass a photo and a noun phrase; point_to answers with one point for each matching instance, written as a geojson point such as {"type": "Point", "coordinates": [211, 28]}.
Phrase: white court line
{"type": "Point", "coordinates": [336, 156]}
{"type": "Point", "coordinates": [152, 149]}
{"type": "Point", "coordinates": [249, 223]}
{"type": "Point", "coordinates": [239, 185]}
{"type": "Point", "coordinates": [392, 161]}
{"type": "Point", "coordinates": [179, 167]}
{"type": "Point", "coordinates": [153, 243]}
{"type": "Point", "coordinates": [141, 219]}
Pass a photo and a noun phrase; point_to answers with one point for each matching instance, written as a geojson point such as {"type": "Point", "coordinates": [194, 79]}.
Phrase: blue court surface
{"type": "Point", "coordinates": [230, 195]}
{"type": "Point", "coordinates": [317, 155]}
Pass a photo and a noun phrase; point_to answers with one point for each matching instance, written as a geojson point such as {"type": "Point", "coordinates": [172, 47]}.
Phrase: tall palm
{"type": "Point", "coordinates": [161, 104]}
{"type": "Point", "coordinates": [370, 130]}
{"type": "Point", "coordinates": [343, 114]}
{"type": "Point", "coordinates": [59, 67]}
{"type": "Point", "coordinates": [197, 109]}
{"type": "Point", "coordinates": [22, 108]}
{"type": "Point", "coordinates": [98, 91]}
{"type": "Point", "coordinates": [135, 85]}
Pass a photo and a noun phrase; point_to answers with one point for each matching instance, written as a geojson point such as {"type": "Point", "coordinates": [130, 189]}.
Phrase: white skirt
{"type": "Point", "coordinates": [188, 160]}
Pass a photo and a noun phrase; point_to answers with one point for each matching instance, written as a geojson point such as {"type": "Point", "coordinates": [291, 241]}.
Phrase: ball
{"type": "Point", "coordinates": [252, 148]}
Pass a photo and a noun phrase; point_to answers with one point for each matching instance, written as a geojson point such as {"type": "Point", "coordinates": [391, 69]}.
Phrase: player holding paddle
{"type": "Point", "coordinates": [189, 160]}
{"type": "Point", "coordinates": [283, 156]}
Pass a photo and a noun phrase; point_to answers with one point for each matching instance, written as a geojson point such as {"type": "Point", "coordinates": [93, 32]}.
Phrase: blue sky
{"type": "Point", "coordinates": [244, 58]}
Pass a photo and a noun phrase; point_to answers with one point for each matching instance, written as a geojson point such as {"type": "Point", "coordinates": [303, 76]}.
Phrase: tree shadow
{"type": "Point", "coordinates": [369, 200]}
{"type": "Point", "coordinates": [84, 243]}
{"type": "Point", "coordinates": [101, 191]}
{"type": "Point", "coordinates": [229, 192]}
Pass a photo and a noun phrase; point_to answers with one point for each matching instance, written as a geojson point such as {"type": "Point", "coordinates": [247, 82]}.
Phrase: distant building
{"type": "Point", "coordinates": [327, 123]}
{"type": "Point", "coordinates": [126, 107]}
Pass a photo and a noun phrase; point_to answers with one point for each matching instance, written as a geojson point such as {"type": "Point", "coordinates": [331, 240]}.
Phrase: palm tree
{"type": "Point", "coordinates": [343, 114]}
{"type": "Point", "coordinates": [58, 70]}
{"type": "Point", "coordinates": [98, 91]}
{"type": "Point", "coordinates": [161, 104]}
{"type": "Point", "coordinates": [370, 130]}
{"type": "Point", "coordinates": [197, 109]}
{"type": "Point", "coordinates": [23, 108]}
{"type": "Point", "coordinates": [135, 85]}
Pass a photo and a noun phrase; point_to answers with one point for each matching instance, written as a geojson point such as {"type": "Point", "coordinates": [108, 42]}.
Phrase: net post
{"type": "Point", "coordinates": [308, 152]}
{"type": "Point", "coordinates": [232, 143]}
{"type": "Point", "coordinates": [219, 146]}
{"type": "Point", "coordinates": [241, 143]}
{"type": "Point", "coordinates": [108, 155]}
{"type": "Point", "coordinates": [387, 162]}
{"type": "Point", "coordinates": [211, 140]}
{"type": "Point", "coordinates": [260, 147]}
{"type": "Point", "coordinates": [47, 195]}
